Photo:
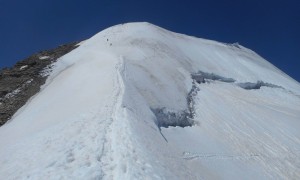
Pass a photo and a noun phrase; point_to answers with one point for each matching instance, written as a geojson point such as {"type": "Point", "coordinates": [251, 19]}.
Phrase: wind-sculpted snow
{"type": "Point", "coordinates": [127, 104]}
{"type": "Point", "coordinates": [185, 118]}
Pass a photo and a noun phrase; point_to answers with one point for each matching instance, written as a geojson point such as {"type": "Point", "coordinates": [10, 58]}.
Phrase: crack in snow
{"type": "Point", "coordinates": [257, 85]}
{"type": "Point", "coordinates": [249, 156]}
{"type": "Point", "coordinates": [167, 117]}
{"type": "Point", "coordinates": [213, 156]}
{"type": "Point", "coordinates": [203, 77]}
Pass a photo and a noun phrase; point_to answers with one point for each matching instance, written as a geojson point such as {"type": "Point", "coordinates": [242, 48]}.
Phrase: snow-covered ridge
{"type": "Point", "coordinates": [104, 109]}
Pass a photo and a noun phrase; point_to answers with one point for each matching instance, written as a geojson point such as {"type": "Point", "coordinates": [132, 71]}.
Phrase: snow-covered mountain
{"type": "Point", "coordinates": [136, 101]}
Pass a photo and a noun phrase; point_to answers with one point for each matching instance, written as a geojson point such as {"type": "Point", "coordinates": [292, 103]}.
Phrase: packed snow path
{"type": "Point", "coordinates": [93, 118]}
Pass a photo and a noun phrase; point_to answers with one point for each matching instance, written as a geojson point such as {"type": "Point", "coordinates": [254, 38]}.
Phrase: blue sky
{"type": "Point", "coordinates": [269, 27]}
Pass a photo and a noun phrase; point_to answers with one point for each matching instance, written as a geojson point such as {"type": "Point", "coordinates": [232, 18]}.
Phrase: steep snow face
{"type": "Point", "coordinates": [104, 109]}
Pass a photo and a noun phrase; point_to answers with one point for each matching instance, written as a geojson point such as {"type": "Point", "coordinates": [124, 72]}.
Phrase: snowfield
{"type": "Point", "coordinates": [127, 104]}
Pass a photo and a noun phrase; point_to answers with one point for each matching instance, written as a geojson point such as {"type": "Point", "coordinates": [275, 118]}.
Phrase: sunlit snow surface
{"type": "Point", "coordinates": [93, 118]}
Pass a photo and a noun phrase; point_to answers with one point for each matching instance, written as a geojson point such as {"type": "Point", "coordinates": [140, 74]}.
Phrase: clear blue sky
{"type": "Point", "coordinates": [269, 27]}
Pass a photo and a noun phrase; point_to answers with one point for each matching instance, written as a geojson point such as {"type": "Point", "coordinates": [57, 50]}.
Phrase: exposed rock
{"type": "Point", "coordinates": [24, 79]}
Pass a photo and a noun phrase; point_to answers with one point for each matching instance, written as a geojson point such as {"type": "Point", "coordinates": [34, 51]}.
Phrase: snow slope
{"type": "Point", "coordinates": [93, 119]}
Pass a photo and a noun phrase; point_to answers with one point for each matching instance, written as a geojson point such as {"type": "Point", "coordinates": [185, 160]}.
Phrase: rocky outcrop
{"type": "Point", "coordinates": [24, 79]}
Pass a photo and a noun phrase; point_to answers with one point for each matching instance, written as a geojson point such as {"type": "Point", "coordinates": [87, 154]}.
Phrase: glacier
{"type": "Point", "coordinates": [96, 116]}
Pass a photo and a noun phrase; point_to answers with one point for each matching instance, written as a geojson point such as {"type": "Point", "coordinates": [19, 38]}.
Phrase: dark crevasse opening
{"type": "Point", "coordinates": [257, 85]}
{"type": "Point", "coordinates": [201, 77]}
{"type": "Point", "coordinates": [167, 117]}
